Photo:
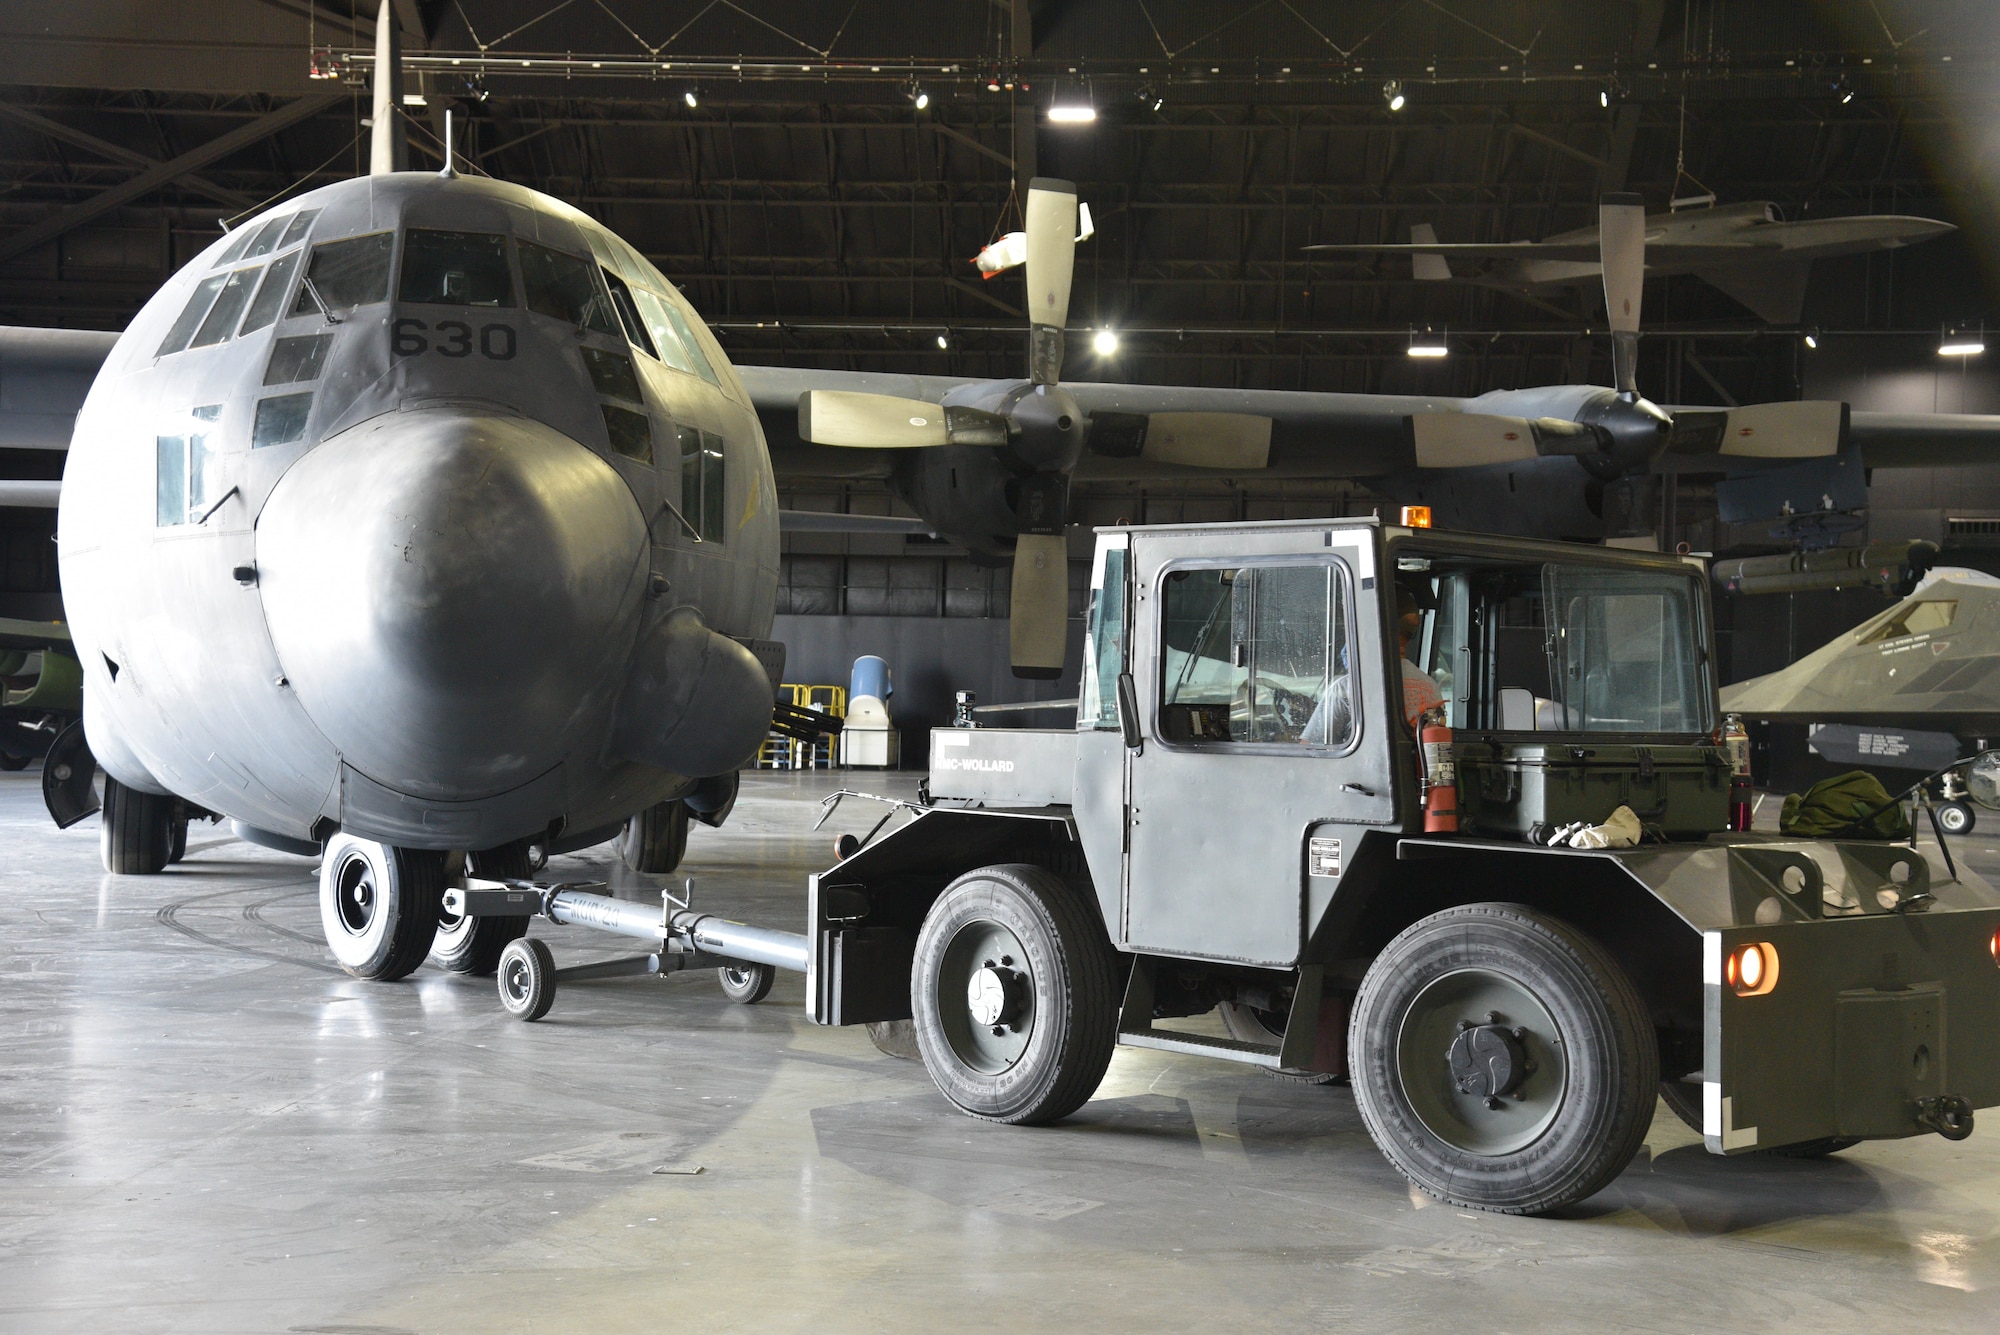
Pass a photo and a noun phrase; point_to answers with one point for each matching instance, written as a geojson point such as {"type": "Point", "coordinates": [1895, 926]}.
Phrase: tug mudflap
{"type": "Point", "coordinates": [1850, 989]}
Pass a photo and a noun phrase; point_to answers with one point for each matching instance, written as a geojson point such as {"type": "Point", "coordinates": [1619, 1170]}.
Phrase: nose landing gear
{"type": "Point", "coordinates": [379, 906]}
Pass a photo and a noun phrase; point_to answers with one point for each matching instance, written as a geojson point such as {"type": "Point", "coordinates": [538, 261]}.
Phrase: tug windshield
{"type": "Point", "coordinates": [1519, 646]}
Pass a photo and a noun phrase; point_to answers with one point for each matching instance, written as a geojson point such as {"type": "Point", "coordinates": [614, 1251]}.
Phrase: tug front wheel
{"type": "Point", "coordinates": [1016, 1010]}
{"type": "Point", "coordinates": [1502, 1060]}
{"type": "Point", "coordinates": [379, 905]}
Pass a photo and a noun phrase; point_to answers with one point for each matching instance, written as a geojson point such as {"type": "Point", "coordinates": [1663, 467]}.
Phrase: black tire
{"type": "Point", "coordinates": [1580, 1059]}
{"type": "Point", "coordinates": [1052, 995]}
{"type": "Point", "coordinates": [11, 763]}
{"type": "Point", "coordinates": [895, 1038]}
{"type": "Point", "coordinates": [177, 834]}
{"type": "Point", "coordinates": [379, 906]}
{"type": "Point", "coordinates": [746, 984]}
{"type": "Point", "coordinates": [1685, 1101]}
{"type": "Point", "coordinates": [136, 836]}
{"type": "Point", "coordinates": [469, 944]}
{"type": "Point", "coordinates": [1247, 1024]}
{"type": "Point", "coordinates": [655, 839]}
{"type": "Point", "coordinates": [1956, 817]}
{"type": "Point", "coordinates": [527, 979]}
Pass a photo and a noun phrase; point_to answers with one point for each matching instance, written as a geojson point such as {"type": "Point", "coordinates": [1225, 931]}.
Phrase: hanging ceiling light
{"type": "Point", "coordinates": [1812, 337]}
{"type": "Point", "coordinates": [1105, 342]}
{"type": "Point", "coordinates": [1392, 93]}
{"type": "Point", "coordinates": [1150, 98]}
{"type": "Point", "coordinates": [1429, 343]}
{"type": "Point", "coordinates": [1962, 340]}
{"type": "Point", "coordinates": [920, 99]}
{"type": "Point", "coordinates": [1072, 113]}
{"type": "Point", "coordinates": [944, 342]}
{"type": "Point", "coordinates": [692, 97]}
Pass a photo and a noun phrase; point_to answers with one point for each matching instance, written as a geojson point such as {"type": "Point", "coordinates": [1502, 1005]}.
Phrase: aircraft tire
{"type": "Point", "coordinates": [1043, 971]}
{"type": "Point", "coordinates": [471, 945]}
{"type": "Point", "coordinates": [655, 839]}
{"type": "Point", "coordinates": [1956, 817]}
{"type": "Point", "coordinates": [1542, 1104]}
{"type": "Point", "coordinates": [10, 763]}
{"type": "Point", "coordinates": [379, 906]}
{"type": "Point", "coordinates": [177, 834]}
{"type": "Point", "coordinates": [136, 836]}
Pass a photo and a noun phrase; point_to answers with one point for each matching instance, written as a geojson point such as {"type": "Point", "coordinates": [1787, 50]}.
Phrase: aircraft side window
{"type": "Point", "coordinates": [628, 315]}
{"type": "Point", "coordinates": [652, 309]}
{"type": "Point", "coordinates": [456, 269]}
{"type": "Point", "coordinates": [353, 271]}
{"type": "Point", "coordinates": [267, 236]}
{"type": "Point", "coordinates": [631, 434]}
{"type": "Point", "coordinates": [271, 292]}
{"type": "Point", "coordinates": [692, 344]}
{"type": "Point", "coordinates": [704, 481]}
{"type": "Point", "coordinates": [300, 222]}
{"type": "Point", "coordinates": [280, 420]}
{"type": "Point", "coordinates": [565, 287]}
{"type": "Point", "coordinates": [611, 373]}
{"type": "Point", "coordinates": [191, 314]}
{"type": "Point", "coordinates": [297, 359]}
{"type": "Point", "coordinates": [229, 304]}
{"type": "Point", "coordinates": [185, 465]}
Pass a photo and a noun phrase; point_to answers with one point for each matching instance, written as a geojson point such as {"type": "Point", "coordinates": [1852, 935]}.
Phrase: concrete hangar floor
{"type": "Point", "coordinates": [205, 1127]}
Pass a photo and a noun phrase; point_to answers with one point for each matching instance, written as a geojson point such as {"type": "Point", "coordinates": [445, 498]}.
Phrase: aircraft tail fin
{"type": "Point", "coordinates": [1427, 268]}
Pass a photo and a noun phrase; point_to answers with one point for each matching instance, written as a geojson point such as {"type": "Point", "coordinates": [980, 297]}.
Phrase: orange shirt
{"type": "Point", "coordinates": [1419, 691]}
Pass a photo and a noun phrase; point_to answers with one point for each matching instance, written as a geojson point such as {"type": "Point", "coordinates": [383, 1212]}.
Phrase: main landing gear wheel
{"type": "Point", "coordinates": [471, 945]}
{"type": "Point", "coordinates": [136, 837]}
{"type": "Point", "coordinates": [379, 905]}
{"type": "Point", "coordinates": [746, 984]}
{"type": "Point", "coordinates": [1685, 1102]}
{"type": "Point", "coordinates": [527, 977]}
{"type": "Point", "coordinates": [1502, 1060]}
{"type": "Point", "coordinates": [655, 839]}
{"type": "Point", "coordinates": [11, 763]}
{"type": "Point", "coordinates": [1016, 1010]}
{"type": "Point", "coordinates": [1955, 817]}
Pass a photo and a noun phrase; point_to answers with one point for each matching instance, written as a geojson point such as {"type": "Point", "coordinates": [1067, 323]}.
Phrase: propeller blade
{"type": "Point", "coordinates": [1038, 607]}
{"type": "Point", "coordinates": [1474, 440]}
{"type": "Point", "coordinates": [1051, 218]}
{"type": "Point", "coordinates": [1808, 429]}
{"type": "Point", "coordinates": [1621, 240]}
{"type": "Point", "coordinates": [850, 420]}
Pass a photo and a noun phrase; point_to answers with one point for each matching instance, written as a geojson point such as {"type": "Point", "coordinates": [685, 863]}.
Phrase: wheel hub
{"type": "Point", "coordinates": [994, 994]}
{"type": "Point", "coordinates": [1488, 1060]}
{"type": "Point", "coordinates": [356, 898]}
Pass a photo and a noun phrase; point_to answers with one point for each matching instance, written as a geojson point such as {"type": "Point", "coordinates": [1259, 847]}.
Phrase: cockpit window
{"type": "Point", "coordinates": [234, 250]}
{"type": "Point", "coordinates": [190, 317]}
{"type": "Point", "coordinates": [456, 269]}
{"type": "Point", "coordinates": [221, 321]}
{"type": "Point", "coordinates": [611, 373]}
{"type": "Point", "coordinates": [350, 272]}
{"type": "Point", "coordinates": [271, 293]}
{"type": "Point", "coordinates": [1933, 614]}
{"type": "Point", "coordinates": [267, 236]}
{"type": "Point", "coordinates": [652, 310]}
{"type": "Point", "coordinates": [688, 341]}
{"type": "Point", "coordinates": [300, 222]}
{"type": "Point", "coordinates": [628, 314]}
{"type": "Point", "coordinates": [565, 287]}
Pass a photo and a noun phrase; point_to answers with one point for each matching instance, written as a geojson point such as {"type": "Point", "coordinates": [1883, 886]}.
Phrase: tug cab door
{"type": "Point", "coordinates": [1263, 684]}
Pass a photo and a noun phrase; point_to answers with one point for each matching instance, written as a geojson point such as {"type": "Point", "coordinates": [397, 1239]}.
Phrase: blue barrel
{"type": "Point", "coordinates": [870, 677]}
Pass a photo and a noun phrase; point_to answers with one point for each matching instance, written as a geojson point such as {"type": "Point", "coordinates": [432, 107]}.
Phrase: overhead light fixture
{"type": "Point", "coordinates": [1429, 343]}
{"type": "Point", "coordinates": [944, 342]}
{"type": "Point", "coordinates": [1392, 93]}
{"type": "Point", "coordinates": [1962, 341]}
{"type": "Point", "coordinates": [692, 97]}
{"type": "Point", "coordinates": [1105, 343]}
{"type": "Point", "coordinates": [1812, 337]}
{"type": "Point", "coordinates": [920, 99]}
{"type": "Point", "coordinates": [1604, 97]}
{"type": "Point", "coordinates": [1072, 113]}
{"type": "Point", "coordinates": [1150, 98]}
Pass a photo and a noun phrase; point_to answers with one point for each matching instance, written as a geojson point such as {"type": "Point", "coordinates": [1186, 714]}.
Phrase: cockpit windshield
{"type": "Point", "coordinates": [455, 269]}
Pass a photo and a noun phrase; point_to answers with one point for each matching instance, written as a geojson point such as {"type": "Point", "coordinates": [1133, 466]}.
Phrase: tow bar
{"type": "Point", "coordinates": [746, 958]}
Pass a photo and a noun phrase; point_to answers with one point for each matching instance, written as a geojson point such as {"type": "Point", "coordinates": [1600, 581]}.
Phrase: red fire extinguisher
{"type": "Point", "coordinates": [1440, 775]}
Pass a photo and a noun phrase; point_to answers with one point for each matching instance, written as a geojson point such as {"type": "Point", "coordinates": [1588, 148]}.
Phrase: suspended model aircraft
{"type": "Point", "coordinates": [1747, 250]}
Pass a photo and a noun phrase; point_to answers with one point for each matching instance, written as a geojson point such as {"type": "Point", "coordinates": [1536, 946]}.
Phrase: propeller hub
{"type": "Point", "coordinates": [1634, 431]}
{"type": "Point", "coordinates": [1047, 427]}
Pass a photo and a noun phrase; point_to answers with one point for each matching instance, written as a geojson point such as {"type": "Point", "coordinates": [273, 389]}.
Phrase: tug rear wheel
{"type": "Point", "coordinates": [379, 905]}
{"type": "Point", "coordinates": [1502, 1060]}
{"type": "Point", "coordinates": [1016, 1011]}
{"type": "Point", "coordinates": [469, 944]}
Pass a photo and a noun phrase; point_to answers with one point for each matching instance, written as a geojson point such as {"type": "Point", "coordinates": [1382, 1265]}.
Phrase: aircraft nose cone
{"type": "Point", "coordinates": [451, 595]}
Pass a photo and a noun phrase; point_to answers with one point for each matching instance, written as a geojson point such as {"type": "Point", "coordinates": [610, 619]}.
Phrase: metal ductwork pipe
{"type": "Point", "coordinates": [1889, 566]}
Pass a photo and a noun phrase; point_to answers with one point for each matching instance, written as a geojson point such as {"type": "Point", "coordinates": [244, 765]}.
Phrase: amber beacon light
{"type": "Point", "coordinates": [1416, 516]}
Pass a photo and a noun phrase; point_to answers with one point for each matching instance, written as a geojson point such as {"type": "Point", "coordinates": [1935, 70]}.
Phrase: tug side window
{"type": "Point", "coordinates": [1256, 655]}
{"type": "Point", "coordinates": [1104, 644]}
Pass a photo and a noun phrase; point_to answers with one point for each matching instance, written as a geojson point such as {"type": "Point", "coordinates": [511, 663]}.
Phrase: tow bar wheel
{"type": "Point", "coordinates": [379, 905]}
{"type": "Point", "coordinates": [746, 984]}
{"type": "Point", "coordinates": [1015, 1010]}
{"type": "Point", "coordinates": [527, 978]}
{"type": "Point", "coordinates": [1502, 1060]}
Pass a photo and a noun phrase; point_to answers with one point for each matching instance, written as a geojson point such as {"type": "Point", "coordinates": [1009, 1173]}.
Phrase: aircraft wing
{"type": "Point", "coordinates": [19, 635]}
{"type": "Point", "coordinates": [1312, 434]}
{"type": "Point", "coordinates": [1925, 440]}
{"type": "Point", "coordinates": [44, 375]}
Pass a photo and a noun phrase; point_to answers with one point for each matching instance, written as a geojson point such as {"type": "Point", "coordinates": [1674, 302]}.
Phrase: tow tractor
{"type": "Point", "coordinates": [1243, 820]}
